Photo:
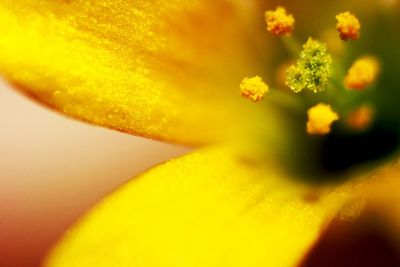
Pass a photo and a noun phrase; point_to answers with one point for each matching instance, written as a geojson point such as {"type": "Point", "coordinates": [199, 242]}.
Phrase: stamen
{"type": "Point", "coordinates": [362, 73]}
{"type": "Point", "coordinates": [348, 26]}
{"type": "Point", "coordinates": [279, 22]}
{"type": "Point", "coordinates": [320, 119]}
{"type": "Point", "coordinates": [253, 88]}
{"type": "Point", "coordinates": [361, 118]}
{"type": "Point", "coordinates": [312, 69]}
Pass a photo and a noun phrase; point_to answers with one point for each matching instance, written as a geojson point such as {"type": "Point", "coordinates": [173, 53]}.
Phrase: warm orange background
{"type": "Point", "coordinates": [53, 168]}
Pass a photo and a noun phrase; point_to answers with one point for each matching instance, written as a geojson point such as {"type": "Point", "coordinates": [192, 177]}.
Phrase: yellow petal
{"type": "Point", "coordinates": [161, 69]}
{"type": "Point", "coordinates": [209, 208]}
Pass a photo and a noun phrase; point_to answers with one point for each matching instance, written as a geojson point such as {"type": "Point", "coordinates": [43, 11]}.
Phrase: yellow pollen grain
{"type": "Point", "coordinates": [362, 73]}
{"type": "Point", "coordinates": [361, 118]}
{"type": "Point", "coordinates": [320, 119]}
{"type": "Point", "coordinates": [348, 26]}
{"type": "Point", "coordinates": [253, 88]}
{"type": "Point", "coordinates": [279, 22]}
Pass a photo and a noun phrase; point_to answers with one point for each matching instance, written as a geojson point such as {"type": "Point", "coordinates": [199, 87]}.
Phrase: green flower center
{"type": "Point", "coordinates": [340, 122]}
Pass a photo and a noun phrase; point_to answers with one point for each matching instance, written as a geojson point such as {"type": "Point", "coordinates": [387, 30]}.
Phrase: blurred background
{"type": "Point", "coordinates": [53, 169]}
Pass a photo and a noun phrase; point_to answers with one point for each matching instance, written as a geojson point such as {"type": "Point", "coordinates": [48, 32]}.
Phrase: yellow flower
{"type": "Point", "coordinates": [170, 70]}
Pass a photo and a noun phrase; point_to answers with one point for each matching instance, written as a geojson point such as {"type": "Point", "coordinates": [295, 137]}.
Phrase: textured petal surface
{"type": "Point", "coordinates": [209, 208]}
{"type": "Point", "coordinates": [162, 69]}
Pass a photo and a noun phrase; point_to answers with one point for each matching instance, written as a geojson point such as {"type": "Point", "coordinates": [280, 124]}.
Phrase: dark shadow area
{"type": "Point", "coordinates": [354, 244]}
{"type": "Point", "coordinates": [340, 152]}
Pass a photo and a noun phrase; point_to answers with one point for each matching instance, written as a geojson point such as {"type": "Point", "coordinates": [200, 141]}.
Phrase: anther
{"type": "Point", "coordinates": [348, 26]}
{"type": "Point", "coordinates": [361, 118]}
{"type": "Point", "coordinates": [279, 22]}
{"type": "Point", "coordinates": [320, 119]}
{"type": "Point", "coordinates": [253, 88]}
{"type": "Point", "coordinates": [362, 73]}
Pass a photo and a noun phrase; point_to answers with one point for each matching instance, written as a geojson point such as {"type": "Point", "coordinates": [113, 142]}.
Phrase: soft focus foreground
{"type": "Point", "coordinates": [52, 169]}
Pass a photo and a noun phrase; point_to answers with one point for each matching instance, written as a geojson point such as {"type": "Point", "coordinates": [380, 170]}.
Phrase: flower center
{"type": "Point", "coordinates": [336, 125]}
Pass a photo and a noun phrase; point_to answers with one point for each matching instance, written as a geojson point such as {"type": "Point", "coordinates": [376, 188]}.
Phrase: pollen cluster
{"type": "Point", "coordinates": [362, 73]}
{"type": "Point", "coordinates": [312, 69]}
{"type": "Point", "coordinates": [279, 22]}
{"type": "Point", "coordinates": [320, 119]}
{"type": "Point", "coordinates": [253, 88]}
{"type": "Point", "coordinates": [348, 26]}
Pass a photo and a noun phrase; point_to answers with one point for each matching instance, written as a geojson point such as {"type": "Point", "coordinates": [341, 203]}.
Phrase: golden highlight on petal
{"type": "Point", "coordinates": [253, 88]}
{"type": "Point", "coordinates": [362, 73]}
{"type": "Point", "coordinates": [320, 119]}
{"type": "Point", "coordinates": [348, 26]}
{"type": "Point", "coordinates": [279, 22]}
{"type": "Point", "coordinates": [210, 208]}
{"type": "Point", "coordinates": [151, 68]}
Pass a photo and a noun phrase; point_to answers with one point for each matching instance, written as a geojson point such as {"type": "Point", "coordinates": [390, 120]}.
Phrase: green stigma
{"type": "Point", "coordinates": [312, 69]}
